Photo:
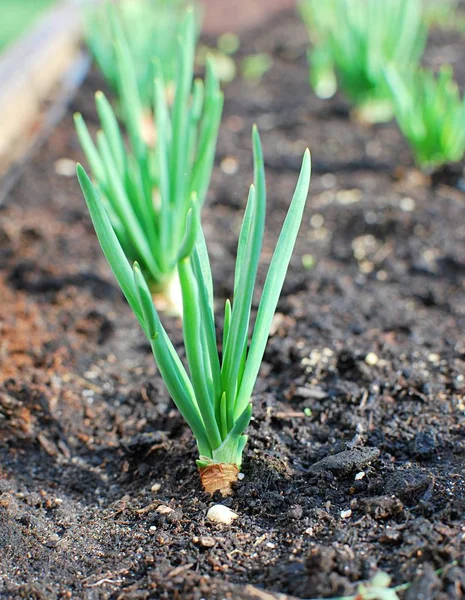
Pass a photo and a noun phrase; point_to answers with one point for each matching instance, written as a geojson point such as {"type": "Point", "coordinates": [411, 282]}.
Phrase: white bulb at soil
{"type": "Point", "coordinates": [219, 513]}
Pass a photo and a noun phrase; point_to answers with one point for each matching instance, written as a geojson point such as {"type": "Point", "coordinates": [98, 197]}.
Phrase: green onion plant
{"type": "Point", "coordinates": [151, 28]}
{"type": "Point", "coordinates": [430, 114]}
{"type": "Point", "coordinates": [444, 14]}
{"type": "Point", "coordinates": [319, 20]}
{"type": "Point", "coordinates": [359, 39]}
{"type": "Point", "coordinates": [146, 188]}
{"type": "Point", "coordinates": [214, 393]}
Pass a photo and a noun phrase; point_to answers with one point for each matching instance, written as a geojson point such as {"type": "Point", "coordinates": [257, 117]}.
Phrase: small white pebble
{"type": "Point", "coordinates": [152, 528]}
{"type": "Point", "coordinates": [360, 476]}
{"type": "Point", "coordinates": [65, 167]}
{"type": "Point", "coordinates": [155, 487]}
{"type": "Point", "coordinates": [371, 359]}
{"type": "Point", "coordinates": [91, 374]}
{"type": "Point", "coordinates": [317, 221]}
{"type": "Point", "coordinates": [328, 180]}
{"type": "Point", "coordinates": [240, 476]}
{"type": "Point", "coordinates": [270, 545]}
{"type": "Point", "coordinates": [433, 357]}
{"type": "Point", "coordinates": [229, 165]}
{"type": "Point", "coordinates": [366, 267]}
{"type": "Point", "coordinates": [345, 514]}
{"type": "Point", "coordinates": [164, 510]}
{"type": "Point", "coordinates": [349, 196]}
{"type": "Point", "coordinates": [407, 204]}
{"type": "Point", "coordinates": [219, 513]}
{"type": "Point", "coordinates": [207, 542]}
{"type": "Point", "coordinates": [309, 531]}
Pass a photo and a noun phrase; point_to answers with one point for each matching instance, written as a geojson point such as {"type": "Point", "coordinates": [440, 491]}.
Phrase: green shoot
{"type": "Point", "coordinates": [255, 66]}
{"type": "Point", "coordinates": [376, 589]}
{"type": "Point", "coordinates": [319, 20]}
{"type": "Point", "coordinates": [442, 14]}
{"type": "Point", "coordinates": [151, 28]}
{"type": "Point", "coordinates": [359, 39]}
{"type": "Point", "coordinates": [430, 114]}
{"type": "Point", "coordinates": [379, 587]}
{"type": "Point", "coordinates": [214, 393]}
{"type": "Point", "coordinates": [147, 190]}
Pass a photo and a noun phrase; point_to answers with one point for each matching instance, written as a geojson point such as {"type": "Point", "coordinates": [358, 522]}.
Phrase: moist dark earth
{"type": "Point", "coordinates": [356, 455]}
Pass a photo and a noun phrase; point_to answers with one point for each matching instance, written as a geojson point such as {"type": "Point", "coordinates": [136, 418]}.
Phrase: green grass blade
{"type": "Point", "coordinates": [110, 245]}
{"type": "Point", "coordinates": [202, 273]}
{"type": "Point", "coordinates": [181, 390]}
{"type": "Point", "coordinates": [190, 237]}
{"type": "Point", "coordinates": [197, 356]}
{"type": "Point", "coordinates": [125, 210]}
{"type": "Point", "coordinates": [89, 149]}
{"type": "Point", "coordinates": [227, 322]}
{"type": "Point", "coordinates": [208, 135]}
{"type": "Point", "coordinates": [171, 368]}
{"type": "Point", "coordinates": [162, 155]}
{"type": "Point", "coordinates": [273, 285]}
{"type": "Point", "coordinates": [179, 165]}
{"type": "Point", "coordinates": [202, 265]}
{"type": "Point", "coordinates": [244, 237]}
{"type": "Point", "coordinates": [195, 114]}
{"type": "Point", "coordinates": [130, 100]}
{"type": "Point", "coordinates": [111, 129]}
{"type": "Point", "coordinates": [203, 165]}
{"type": "Point", "coordinates": [144, 296]}
{"type": "Point", "coordinates": [241, 308]}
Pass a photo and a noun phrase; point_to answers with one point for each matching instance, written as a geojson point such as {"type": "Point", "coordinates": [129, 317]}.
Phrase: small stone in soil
{"type": "Point", "coordinates": [382, 507]}
{"type": "Point", "coordinates": [295, 512]}
{"type": "Point", "coordinates": [390, 536]}
{"type": "Point", "coordinates": [219, 513]}
{"type": "Point", "coordinates": [164, 510]}
{"type": "Point", "coordinates": [371, 359]}
{"type": "Point", "coordinates": [65, 167]}
{"type": "Point", "coordinates": [207, 542]}
{"type": "Point", "coordinates": [344, 462]}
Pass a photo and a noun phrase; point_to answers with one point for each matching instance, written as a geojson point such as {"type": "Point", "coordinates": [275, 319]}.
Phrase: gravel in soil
{"type": "Point", "coordinates": [356, 455]}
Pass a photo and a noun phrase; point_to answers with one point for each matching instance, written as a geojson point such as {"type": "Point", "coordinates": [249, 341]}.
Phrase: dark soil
{"type": "Point", "coordinates": [356, 454]}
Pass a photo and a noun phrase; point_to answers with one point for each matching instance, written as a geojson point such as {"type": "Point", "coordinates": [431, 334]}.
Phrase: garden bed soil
{"type": "Point", "coordinates": [356, 455]}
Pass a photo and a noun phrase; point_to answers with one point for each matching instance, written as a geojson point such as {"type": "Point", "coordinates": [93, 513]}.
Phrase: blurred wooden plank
{"type": "Point", "coordinates": [29, 71]}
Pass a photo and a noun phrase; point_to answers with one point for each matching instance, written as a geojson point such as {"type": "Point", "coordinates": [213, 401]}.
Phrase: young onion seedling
{"type": "Point", "coordinates": [147, 189]}
{"type": "Point", "coordinates": [430, 114]}
{"type": "Point", "coordinates": [359, 40]}
{"type": "Point", "coordinates": [214, 393]}
{"type": "Point", "coordinates": [319, 19]}
{"type": "Point", "coordinates": [151, 29]}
